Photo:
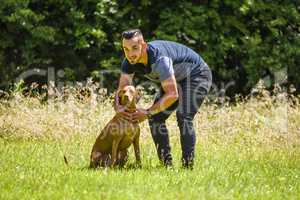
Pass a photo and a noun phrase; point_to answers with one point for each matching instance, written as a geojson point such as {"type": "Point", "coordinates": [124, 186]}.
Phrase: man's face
{"type": "Point", "coordinates": [133, 49]}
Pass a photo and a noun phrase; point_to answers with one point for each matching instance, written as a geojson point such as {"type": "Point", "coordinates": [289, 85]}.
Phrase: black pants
{"type": "Point", "coordinates": [192, 92]}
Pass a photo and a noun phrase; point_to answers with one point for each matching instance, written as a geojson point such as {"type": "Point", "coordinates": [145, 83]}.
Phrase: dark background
{"type": "Point", "coordinates": [242, 41]}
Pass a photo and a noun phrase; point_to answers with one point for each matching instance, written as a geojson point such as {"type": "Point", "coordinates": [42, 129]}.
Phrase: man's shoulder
{"type": "Point", "coordinates": [166, 46]}
{"type": "Point", "coordinates": [163, 42]}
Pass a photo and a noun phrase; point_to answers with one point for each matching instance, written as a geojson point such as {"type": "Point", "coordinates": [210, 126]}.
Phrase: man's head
{"type": "Point", "coordinates": [134, 45]}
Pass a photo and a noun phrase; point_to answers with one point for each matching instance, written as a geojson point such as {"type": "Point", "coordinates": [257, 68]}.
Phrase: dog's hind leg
{"type": "Point", "coordinates": [95, 159]}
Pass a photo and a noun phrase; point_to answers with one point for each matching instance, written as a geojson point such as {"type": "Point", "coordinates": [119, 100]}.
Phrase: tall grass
{"type": "Point", "coordinates": [246, 149]}
{"type": "Point", "coordinates": [263, 119]}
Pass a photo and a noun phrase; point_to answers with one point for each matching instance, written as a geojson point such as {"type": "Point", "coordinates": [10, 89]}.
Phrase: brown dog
{"type": "Point", "coordinates": [110, 148]}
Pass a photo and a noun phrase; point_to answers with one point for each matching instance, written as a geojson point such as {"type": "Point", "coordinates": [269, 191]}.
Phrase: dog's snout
{"type": "Point", "coordinates": [126, 97]}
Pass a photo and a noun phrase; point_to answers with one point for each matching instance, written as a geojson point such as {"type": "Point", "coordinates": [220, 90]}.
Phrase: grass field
{"type": "Point", "coordinates": [250, 150]}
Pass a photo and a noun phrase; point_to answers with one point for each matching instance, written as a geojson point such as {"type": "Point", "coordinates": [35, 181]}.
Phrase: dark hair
{"type": "Point", "coordinates": [128, 34]}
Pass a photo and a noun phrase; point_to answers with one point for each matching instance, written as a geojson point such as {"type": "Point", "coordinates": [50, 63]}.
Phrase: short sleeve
{"type": "Point", "coordinates": [126, 67]}
{"type": "Point", "coordinates": [164, 67]}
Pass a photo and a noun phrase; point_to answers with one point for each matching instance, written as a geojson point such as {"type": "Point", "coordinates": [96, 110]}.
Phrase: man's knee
{"type": "Point", "coordinates": [185, 123]}
{"type": "Point", "coordinates": [158, 127]}
{"type": "Point", "coordinates": [184, 117]}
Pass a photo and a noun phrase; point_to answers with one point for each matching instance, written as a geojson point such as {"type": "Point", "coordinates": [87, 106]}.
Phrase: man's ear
{"type": "Point", "coordinates": [144, 45]}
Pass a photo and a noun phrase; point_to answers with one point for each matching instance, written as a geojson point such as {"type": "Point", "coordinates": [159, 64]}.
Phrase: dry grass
{"type": "Point", "coordinates": [246, 150]}
{"type": "Point", "coordinates": [264, 120]}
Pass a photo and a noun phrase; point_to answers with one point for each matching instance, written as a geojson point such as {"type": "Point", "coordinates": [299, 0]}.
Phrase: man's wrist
{"type": "Point", "coordinates": [149, 113]}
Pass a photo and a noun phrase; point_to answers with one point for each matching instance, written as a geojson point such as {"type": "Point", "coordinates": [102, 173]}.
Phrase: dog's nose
{"type": "Point", "coordinates": [126, 97]}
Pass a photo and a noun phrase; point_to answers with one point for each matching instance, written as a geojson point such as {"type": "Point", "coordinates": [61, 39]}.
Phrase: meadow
{"type": "Point", "coordinates": [249, 149]}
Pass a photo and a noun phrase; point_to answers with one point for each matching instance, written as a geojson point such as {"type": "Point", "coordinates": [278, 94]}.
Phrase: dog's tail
{"type": "Point", "coordinates": [66, 160]}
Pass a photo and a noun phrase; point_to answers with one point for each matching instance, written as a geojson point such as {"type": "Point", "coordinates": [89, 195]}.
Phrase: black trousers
{"type": "Point", "coordinates": [192, 91]}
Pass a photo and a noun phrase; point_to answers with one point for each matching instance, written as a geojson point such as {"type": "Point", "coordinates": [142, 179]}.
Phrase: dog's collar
{"type": "Point", "coordinates": [130, 110]}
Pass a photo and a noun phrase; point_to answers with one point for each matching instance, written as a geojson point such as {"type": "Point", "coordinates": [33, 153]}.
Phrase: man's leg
{"type": "Point", "coordinates": [160, 133]}
{"type": "Point", "coordinates": [193, 91]}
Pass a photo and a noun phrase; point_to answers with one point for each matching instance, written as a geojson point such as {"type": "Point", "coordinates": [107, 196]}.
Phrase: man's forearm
{"type": "Point", "coordinates": [162, 104]}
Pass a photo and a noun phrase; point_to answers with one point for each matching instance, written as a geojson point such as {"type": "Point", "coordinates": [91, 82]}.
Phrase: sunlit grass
{"type": "Point", "coordinates": [246, 150]}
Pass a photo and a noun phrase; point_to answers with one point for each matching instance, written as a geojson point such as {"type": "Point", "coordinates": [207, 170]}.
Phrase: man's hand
{"type": "Point", "coordinates": [139, 115]}
{"type": "Point", "coordinates": [120, 110]}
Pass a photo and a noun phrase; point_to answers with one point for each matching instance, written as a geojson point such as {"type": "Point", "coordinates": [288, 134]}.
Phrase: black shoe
{"type": "Point", "coordinates": [168, 164]}
{"type": "Point", "coordinates": [188, 164]}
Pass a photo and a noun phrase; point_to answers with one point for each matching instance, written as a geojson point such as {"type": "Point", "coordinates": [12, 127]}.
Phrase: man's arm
{"type": "Point", "coordinates": [125, 79]}
{"type": "Point", "coordinates": [170, 96]}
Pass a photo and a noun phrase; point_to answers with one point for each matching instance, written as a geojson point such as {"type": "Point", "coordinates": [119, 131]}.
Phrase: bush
{"type": "Point", "coordinates": [242, 41]}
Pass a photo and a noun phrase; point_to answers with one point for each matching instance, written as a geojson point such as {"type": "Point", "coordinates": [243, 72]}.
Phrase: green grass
{"type": "Point", "coordinates": [250, 150]}
{"type": "Point", "coordinates": [34, 169]}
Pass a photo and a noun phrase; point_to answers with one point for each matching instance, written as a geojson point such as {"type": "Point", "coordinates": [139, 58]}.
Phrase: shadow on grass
{"type": "Point", "coordinates": [127, 167]}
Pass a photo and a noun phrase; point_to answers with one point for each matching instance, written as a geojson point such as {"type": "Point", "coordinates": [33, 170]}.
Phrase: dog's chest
{"type": "Point", "coordinates": [128, 132]}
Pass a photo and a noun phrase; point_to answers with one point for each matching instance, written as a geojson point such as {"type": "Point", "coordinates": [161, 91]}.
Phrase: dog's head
{"type": "Point", "coordinates": [128, 97]}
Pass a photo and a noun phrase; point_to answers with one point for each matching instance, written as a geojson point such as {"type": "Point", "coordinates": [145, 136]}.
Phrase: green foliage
{"type": "Point", "coordinates": [19, 87]}
{"type": "Point", "coordinates": [242, 41]}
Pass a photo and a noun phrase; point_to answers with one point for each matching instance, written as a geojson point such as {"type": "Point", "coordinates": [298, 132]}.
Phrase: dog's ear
{"type": "Point", "coordinates": [121, 93]}
{"type": "Point", "coordinates": [118, 95]}
{"type": "Point", "coordinates": [138, 95]}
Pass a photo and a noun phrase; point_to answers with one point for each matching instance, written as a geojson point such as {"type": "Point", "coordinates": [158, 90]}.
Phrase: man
{"type": "Point", "coordinates": [185, 80]}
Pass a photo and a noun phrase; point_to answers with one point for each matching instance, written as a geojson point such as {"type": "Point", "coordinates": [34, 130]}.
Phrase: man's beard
{"type": "Point", "coordinates": [132, 62]}
{"type": "Point", "coordinates": [135, 61]}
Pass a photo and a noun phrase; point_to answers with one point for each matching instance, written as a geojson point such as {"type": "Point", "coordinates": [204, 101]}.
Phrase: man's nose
{"type": "Point", "coordinates": [130, 54]}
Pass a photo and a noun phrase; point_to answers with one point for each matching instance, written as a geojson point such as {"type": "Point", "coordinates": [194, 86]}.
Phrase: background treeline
{"type": "Point", "coordinates": [242, 41]}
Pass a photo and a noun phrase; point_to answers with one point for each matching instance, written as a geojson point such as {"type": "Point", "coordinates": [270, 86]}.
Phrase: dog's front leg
{"type": "Point", "coordinates": [114, 150]}
{"type": "Point", "coordinates": [136, 146]}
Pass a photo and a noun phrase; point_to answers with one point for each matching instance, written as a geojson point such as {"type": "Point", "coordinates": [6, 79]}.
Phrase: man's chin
{"type": "Point", "coordinates": [133, 62]}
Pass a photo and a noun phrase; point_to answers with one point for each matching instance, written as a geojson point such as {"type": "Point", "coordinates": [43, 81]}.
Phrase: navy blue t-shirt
{"type": "Point", "coordinates": [166, 58]}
